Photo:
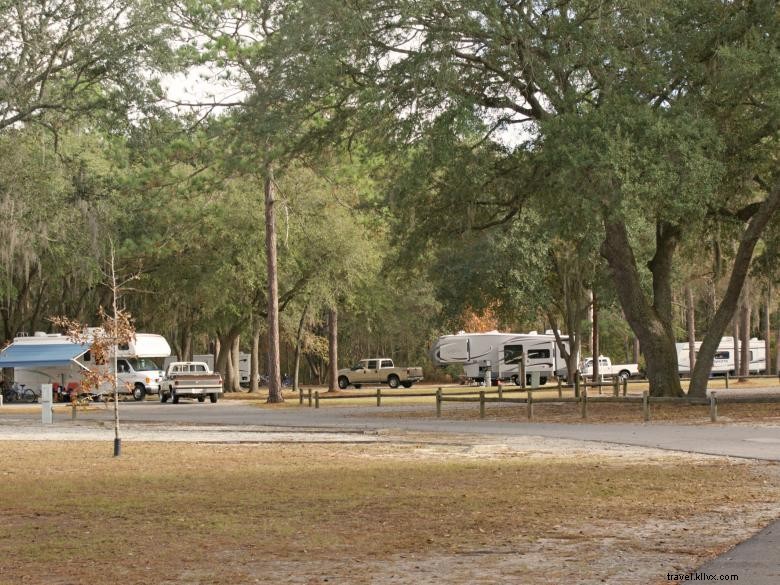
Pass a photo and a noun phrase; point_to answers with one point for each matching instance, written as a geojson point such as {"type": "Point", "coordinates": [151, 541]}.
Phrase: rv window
{"type": "Point", "coordinates": [513, 353]}
{"type": "Point", "coordinates": [371, 365]}
{"type": "Point", "coordinates": [124, 346]}
{"type": "Point", "coordinates": [87, 356]}
{"type": "Point", "coordinates": [538, 354]}
{"type": "Point", "coordinates": [143, 364]}
{"type": "Point", "coordinates": [121, 366]}
{"type": "Point", "coordinates": [722, 355]}
{"type": "Point", "coordinates": [200, 368]}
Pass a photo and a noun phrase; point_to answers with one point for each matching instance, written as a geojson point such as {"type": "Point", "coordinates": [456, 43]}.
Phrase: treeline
{"type": "Point", "coordinates": [380, 173]}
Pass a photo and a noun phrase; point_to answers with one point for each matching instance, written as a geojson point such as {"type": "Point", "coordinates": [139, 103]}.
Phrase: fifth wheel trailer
{"type": "Point", "coordinates": [724, 356]}
{"type": "Point", "coordinates": [501, 352]}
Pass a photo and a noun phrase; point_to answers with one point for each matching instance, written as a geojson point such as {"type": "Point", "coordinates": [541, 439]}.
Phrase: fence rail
{"type": "Point", "coordinates": [584, 400]}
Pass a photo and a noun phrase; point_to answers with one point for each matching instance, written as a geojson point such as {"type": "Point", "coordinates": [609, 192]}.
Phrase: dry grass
{"type": "Point", "coordinates": [305, 514]}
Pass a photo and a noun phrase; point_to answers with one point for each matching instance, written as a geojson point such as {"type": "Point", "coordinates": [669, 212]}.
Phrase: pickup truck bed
{"type": "Point", "coordinates": [189, 384]}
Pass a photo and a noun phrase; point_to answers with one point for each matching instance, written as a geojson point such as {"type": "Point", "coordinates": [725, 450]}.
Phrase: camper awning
{"type": "Point", "coordinates": [43, 355]}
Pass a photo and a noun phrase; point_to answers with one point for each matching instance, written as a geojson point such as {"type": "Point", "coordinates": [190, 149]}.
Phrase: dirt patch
{"type": "Point", "coordinates": [483, 512]}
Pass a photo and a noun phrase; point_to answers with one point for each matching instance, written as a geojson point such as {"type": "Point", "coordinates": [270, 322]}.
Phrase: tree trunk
{"type": "Point", "coordinates": [652, 324]}
{"type": "Point", "coordinates": [768, 329]}
{"type": "Point", "coordinates": [254, 369]}
{"type": "Point", "coordinates": [224, 363]}
{"type": "Point", "coordinates": [728, 304]}
{"type": "Point", "coordinates": [777, 351]}
{"type": "Point", "coordinates": [690, 326]}
{"type": "Point", "coordinates": [744, 330]}
{"type": "Point", "coordinates": [235, 358]}
{"type": "Point", "coordinates": [274, 368]}
{"type": "Point", "coordinates": [298, 339]}
{"type": "Point", "coordinates": [636, 350]}
{"type": "Point", "coordinates": [333, 349]}
{"type": "Point", "coordinates": [736, 336]}
{"type": "Point", "coordinates": [186, 345]}
{"type": "Point", "coordinates": [594, 337]}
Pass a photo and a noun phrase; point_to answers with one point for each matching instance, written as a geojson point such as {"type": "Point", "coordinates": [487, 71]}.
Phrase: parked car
{"type": "Point", "coordinates": [190, 380]}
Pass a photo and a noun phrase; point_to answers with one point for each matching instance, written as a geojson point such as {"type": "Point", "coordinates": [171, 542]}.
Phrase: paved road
{"type": "Point", "coordinates": [755, 561]}
{"type": "Point", "coordinates": [755, 442]}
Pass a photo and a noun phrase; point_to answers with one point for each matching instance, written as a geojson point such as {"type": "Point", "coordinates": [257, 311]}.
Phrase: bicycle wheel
{"type": "Point", "coordinates": [28, 395]}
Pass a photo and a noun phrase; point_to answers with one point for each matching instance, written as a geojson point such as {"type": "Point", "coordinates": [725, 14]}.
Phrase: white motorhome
{"type": "Point", "coordinates": [501, 352]}
{"type": "Point", "coordinates": [724, 356]}
{"type": "Point", "coordinates": [53, 358]}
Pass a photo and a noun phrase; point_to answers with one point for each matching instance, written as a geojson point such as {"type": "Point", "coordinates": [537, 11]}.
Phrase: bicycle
{"type": "Point", "coordinates": [19, 393]}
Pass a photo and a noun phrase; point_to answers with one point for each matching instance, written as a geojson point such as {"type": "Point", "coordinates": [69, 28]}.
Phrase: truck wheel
{"type": "Point", "coordinates": [139, 392]}
{"type": "Point", "coordinates": [213, 397]}
{"type": "Point", "coordinates": [163, 396]}
{"type": "Point", "coordinates": [624, 374]}
{"type": "Point", "coordinates": [343, 382]}
{"type": "Point", "coordinates": [406, 384]}
{"type": "Point", "coordinates": [174, 397]}
{"type": "Point", "coordinates": [358, 386]}
{"type": "Point", "coordinates": [516, 380]}
{"type": "Point", "coordinates": [201, 398]}
{"type": "Point", "coordinates": [393, 381]}
{"type": "Point", "coordinates": [542, 381]}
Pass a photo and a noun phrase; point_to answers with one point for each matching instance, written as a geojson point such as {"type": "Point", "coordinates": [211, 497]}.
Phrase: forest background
{"type": "Point", "coordinates": [385, 172]}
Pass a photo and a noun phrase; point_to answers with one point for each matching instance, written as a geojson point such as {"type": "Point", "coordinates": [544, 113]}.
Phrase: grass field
{"type": "Point", "coordinates": [238, 514]}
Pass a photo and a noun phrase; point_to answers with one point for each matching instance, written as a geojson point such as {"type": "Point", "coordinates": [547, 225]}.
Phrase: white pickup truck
{"type": "Point", "coordinates": [190, 380]}
{"type": "Point", "coordinates": [607, 368]}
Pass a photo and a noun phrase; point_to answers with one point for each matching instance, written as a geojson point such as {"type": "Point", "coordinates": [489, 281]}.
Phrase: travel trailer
{"type": "Point", "coordinates": [501, 352]}
{"type": "Point", "coordinates": [53, 358]}
{"type": "Point", "coordinates": [724, 357]}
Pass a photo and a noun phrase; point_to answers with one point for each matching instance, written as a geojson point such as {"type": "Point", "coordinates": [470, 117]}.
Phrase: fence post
{"type": "Point", "coordinates": [309, 397]}
{"type": "Point", "coordinates": [616, 387]}
{"type": "Point", "coordinates": [577, 384]}
{"type": "Point", "coordinates": [438, 403]}
{"type": "Point", "coordinates": [560, 388]}
{"type": "Point", "coordinates": [625, 386]}
{"type": "Point", "coordinates": [727, 379]}
{"type": "Point", "coordinates": [317, 399]}
{"type": "Point", "coordinates": [481, 404]}
{"type": "Point", "coordinates": [500, 391]}
{"type": "Point", "coordinates": [522, 372]}
{"type": "Point", "coordinates": [713, 407]}
{"type": "Point", "coordinates": [300, 396]}
{"type": "Point", "coordinates": [379, 397]}
{"type": "Point", "coordinates": [584, 401]}
{"type": "Point", "coordinates": [73, 410]}
{"type": "Point", "coordinates": [646, 405]}
{"type": "Point", "coordinates": [530, 406]}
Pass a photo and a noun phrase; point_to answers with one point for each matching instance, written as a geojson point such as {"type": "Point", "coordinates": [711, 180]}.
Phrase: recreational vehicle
{"type": "Point", "coordinates": [500, 353]}
{"type": "Point", "coordinates": [53, 358]}
{"type": "Point", "coordinates": [724, 356]}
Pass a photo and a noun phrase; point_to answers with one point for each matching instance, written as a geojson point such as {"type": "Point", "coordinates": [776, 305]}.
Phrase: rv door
{"type": "Point", "coordinates": [540, 357]}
